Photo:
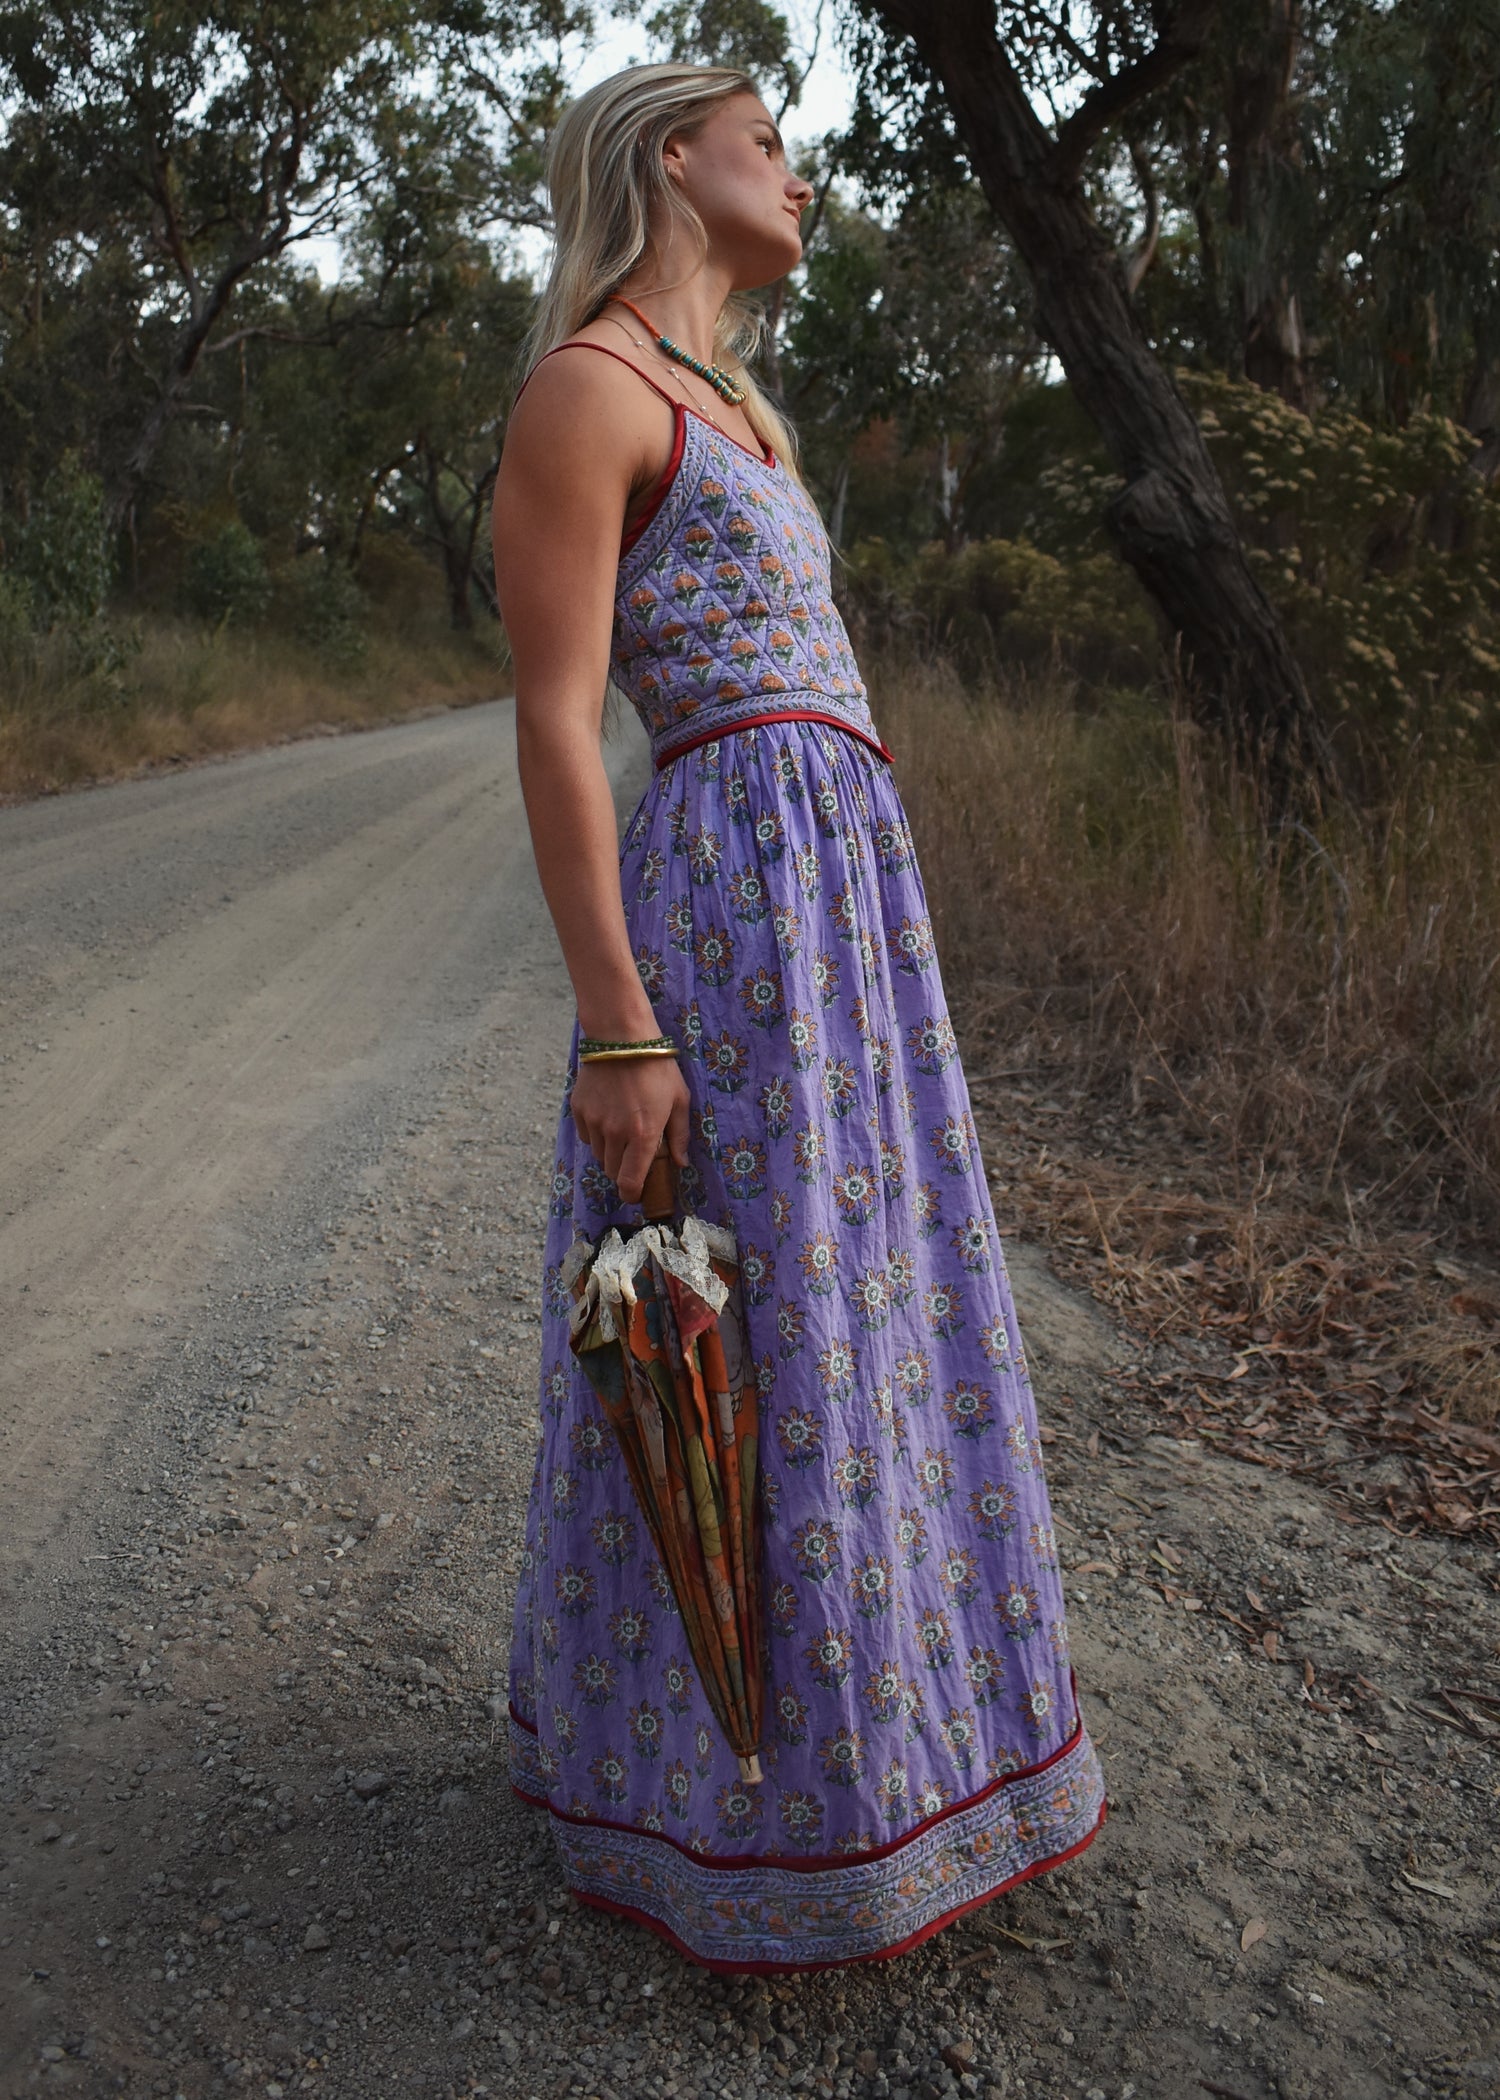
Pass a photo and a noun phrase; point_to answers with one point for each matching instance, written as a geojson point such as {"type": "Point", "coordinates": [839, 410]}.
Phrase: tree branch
{"type": "Point", "coordinates": [1138, 260]}
{"type": "Point", "coordinates": [1177, 46]}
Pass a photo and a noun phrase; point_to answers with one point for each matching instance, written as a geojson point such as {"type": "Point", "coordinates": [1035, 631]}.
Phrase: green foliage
{"type": "Point", "coordinates": [1396, 621]}
{"type": "Point", "coordinates": [997, 602]}
{"type": "Point", "coordinates": [325, 608]}
{"type": "Point", "coordinates": [744, 33]}
{"type": "Point", "coordinates": [1400, 633]}
{"type": "Point", "coordinates": [62, 558]}
{"type": "Point", "coordinates": [226, 581]}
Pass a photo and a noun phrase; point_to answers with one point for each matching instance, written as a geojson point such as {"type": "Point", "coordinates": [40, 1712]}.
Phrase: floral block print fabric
{"type": "Point", "coordinates": [924, 1743]}
{"type": "Point", "coordinates": [723, 607]}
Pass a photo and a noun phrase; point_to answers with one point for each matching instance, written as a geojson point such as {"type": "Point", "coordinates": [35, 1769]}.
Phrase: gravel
{"type": "Point", "coordinates": [259, 1839]}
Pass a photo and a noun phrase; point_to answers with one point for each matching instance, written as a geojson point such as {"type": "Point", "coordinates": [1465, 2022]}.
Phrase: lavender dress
{"type": "Point", "coordinates": [924, 1748]}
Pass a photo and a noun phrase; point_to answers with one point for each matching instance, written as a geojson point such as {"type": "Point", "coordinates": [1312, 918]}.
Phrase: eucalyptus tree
{"type": "Point", "coordinates": [162, 158]}
{"type": "Point", "coordinates": [923, 323]}
{"type": "Point", "coordinates": [1025, 93]}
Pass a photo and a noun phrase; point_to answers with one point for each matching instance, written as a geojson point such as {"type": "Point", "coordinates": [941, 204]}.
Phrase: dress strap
{"type": "Point", "coordinates": [605, 351]}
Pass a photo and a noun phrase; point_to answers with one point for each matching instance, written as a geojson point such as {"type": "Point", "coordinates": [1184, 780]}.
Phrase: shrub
{"type": "Point", "coordinates": [1379, 552]}
{"type": "Point", "coordinates": [226, 581]}
{"type": "Point", "coordinates": [61, 560]}
{"type": "Point", "coordinates": [996, 602]}
{"type": "Point", "coordinates": [325, 609]}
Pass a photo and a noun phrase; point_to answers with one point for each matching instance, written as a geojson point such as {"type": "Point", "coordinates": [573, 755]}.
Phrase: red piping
{"type": "Point", "coordinates": [785, 714]}
{"type": "Point", "coordinates": [827, 1860]}
{"type": "Point", "coordinates": [669, 475]}
{"type": "Point", "coordinates": [793, 1968]}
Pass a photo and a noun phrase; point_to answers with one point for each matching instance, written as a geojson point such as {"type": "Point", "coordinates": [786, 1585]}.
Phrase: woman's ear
{"type": "Point", "coordinates": [673, 160]}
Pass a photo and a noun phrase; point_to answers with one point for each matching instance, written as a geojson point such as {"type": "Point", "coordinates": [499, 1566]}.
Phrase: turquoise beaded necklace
{"type": "Point", "coordinates": [721, 381]}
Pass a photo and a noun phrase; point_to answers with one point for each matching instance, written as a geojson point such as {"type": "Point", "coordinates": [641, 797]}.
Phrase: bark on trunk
{"type": "Point", "coordinates": [1260, 138]}
{"type": "Point", "coordinates": [1171, 521]}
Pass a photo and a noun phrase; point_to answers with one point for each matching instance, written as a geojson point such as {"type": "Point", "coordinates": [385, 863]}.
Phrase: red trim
{"type": "Point", "coordinates": [822, 1862]}
{"type": "Point", "coordinates": [849, 1961]}
{"type": "Point", "coordinates": [766, 458]}
{"type": "Point", "coordinates": [604, 351]}
{"type": "Point", "coordinates": [784, 714]}
{"type": "Point", "coordinates": [669, 475]}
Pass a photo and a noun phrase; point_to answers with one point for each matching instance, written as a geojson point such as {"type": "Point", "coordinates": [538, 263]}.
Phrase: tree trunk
{"type": "Point", "coordinates": [1261, 138]}
{"type": "Point", "coordinates": [1172, 521]}
{"type": "Point", "coordinates": [840, 502]}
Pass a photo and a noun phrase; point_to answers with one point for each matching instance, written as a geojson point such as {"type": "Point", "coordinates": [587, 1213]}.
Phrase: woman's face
{"type": "Point", "coordinates": [734, 173]}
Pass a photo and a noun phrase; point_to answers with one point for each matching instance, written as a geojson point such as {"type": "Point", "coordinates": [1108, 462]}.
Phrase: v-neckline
{"type": "Point", "coordinates": [709, 424]}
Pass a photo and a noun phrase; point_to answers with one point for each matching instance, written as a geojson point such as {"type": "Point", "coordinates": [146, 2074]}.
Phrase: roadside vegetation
{"type": "Point", "coordinates": [1250, 1071]}
{"type": "Point", "coordinates": [1163, 489]}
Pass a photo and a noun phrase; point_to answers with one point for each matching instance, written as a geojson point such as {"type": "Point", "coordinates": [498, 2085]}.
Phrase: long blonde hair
{"type": "Point", "coordinates": [605, 176]}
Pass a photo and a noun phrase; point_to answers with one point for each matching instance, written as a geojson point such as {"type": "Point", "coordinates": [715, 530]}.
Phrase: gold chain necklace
{"type": "Point", "coordinates": [697, 408]}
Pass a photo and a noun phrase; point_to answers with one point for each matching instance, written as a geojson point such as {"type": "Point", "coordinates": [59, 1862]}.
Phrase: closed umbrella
{"type": "Point", "coordinates": [658, 1328]}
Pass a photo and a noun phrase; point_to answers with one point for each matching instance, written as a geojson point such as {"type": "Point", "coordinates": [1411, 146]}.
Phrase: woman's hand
{"type": "Point", "coordinates": [622, 1106]}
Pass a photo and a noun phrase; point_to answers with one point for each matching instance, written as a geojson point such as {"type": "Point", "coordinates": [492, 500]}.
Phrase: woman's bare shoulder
{"type": "Point", "coordinates": [584, 393]}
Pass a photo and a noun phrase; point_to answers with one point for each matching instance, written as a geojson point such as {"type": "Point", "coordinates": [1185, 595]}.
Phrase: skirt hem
{"type": "Point", "coordinates": [772, 1913]}
{"type": "Point", "coordinates": [723, 1967]}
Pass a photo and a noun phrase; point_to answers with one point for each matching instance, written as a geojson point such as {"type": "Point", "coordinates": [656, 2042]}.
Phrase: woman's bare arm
{"type": "Point", "coordinates": [573, 449]}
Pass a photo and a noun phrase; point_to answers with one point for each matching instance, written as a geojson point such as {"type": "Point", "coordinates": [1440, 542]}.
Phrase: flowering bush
{"type": "Point", "coordinates": [1379, 552]}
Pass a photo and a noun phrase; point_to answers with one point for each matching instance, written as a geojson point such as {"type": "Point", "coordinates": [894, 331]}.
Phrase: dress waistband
{"type": "Point", "coordinates": [666, 753]}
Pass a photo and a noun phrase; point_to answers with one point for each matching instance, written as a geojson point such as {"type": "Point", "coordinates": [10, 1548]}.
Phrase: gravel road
{"type": "Point", "coordinates": [281, 1043]}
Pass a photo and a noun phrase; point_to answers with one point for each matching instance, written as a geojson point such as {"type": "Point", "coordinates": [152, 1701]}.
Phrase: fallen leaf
{"type": "Point", "coordinates": [1092, 1446]}
{"type": "Point", "coordinates": [1192, 1604]}
{"type": "Point", "coordinates": [1169, 1553]}
{"type": "Point", "coordinates": [1253, 1601]}
{"type": "Point", "coordinates": [1169, 1593]}
{"type": "Point", "coordinates": [1270, 1642]}
{"type": "Point", "coordinates": [1309, 1674]}
{"type": "Point", "coordinates": [1428, 1888]}
{"type": "Point", "coordinates": [1255, 1929]}
{"type": "Point", "coordinates": [1475, 1307]}
{"type": "Point", "coordinates": [1095, 1567]}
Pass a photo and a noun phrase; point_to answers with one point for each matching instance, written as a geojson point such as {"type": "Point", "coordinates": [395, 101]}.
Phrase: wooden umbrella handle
{"type": "Point", "coordinates": [659, 1192]}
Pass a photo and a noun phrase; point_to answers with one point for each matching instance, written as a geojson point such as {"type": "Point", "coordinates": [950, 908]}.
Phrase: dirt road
{"type": "Point", "coordinates": [272, 1198]}
{"type": "Point", "coordinates": [221, 989]}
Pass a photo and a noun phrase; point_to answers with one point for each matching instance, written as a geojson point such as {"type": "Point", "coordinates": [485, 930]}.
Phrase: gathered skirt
{"type": "Point", "coordinates": [924, 1747]}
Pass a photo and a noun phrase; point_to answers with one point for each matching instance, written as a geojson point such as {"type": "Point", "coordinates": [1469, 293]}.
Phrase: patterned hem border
{"type": "Point", "coordinates": [847, 1961]}
{"type": "Point", "coordinates": [767, 1912]}
{"type": "Point", "coordinates": [526, 1766]}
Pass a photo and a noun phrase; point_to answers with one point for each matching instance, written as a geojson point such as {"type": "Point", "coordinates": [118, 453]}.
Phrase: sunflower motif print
{"type": "Point", "coordinates": [924, 1746]}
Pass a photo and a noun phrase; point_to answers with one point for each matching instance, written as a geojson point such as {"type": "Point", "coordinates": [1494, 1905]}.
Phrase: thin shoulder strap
{"type": "Point", "coordinates": [582, 343]}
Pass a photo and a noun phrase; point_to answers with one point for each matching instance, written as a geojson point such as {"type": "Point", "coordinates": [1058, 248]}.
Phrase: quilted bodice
{"type": "Point", "coordinates": [722, 609]}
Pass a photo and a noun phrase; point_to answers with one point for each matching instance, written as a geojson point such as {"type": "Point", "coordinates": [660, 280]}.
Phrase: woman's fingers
{"type": "Point", "coordinates": [635, 1163]}
{"type": "Point", "coordinates": [677, 1128]}
{"type": "Point", "coordinates": [621, 1112]}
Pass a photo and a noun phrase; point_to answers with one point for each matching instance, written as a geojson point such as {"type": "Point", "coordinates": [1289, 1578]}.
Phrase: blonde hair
{"type": "Point", "coordinates": [605, 176]}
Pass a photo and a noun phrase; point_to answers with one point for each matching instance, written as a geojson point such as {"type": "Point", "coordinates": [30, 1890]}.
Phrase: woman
{"type": "Point", "coordinates": [760, 961]}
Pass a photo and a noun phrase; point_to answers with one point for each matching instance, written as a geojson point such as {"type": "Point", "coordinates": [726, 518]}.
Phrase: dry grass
{"type": "Point", "coordinates": [1273, 1056]}
{"type": "Point", "coordinates": [185, 692]}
